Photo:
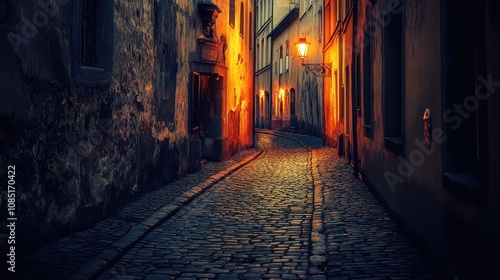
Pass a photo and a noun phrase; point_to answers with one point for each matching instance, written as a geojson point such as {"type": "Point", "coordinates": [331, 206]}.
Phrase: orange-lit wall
{"type": "Point", "coordinates": [239, 98]}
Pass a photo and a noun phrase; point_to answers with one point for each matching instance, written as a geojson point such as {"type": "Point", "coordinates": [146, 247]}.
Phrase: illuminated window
{"type": "Point", "coordinates": [281, 60]}
{"type": "Point", "coordinates": [287, 62]}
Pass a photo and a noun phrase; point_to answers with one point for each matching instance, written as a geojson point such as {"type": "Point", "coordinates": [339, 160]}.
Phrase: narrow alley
{"type": "Point", "coordinates": [256, 224]}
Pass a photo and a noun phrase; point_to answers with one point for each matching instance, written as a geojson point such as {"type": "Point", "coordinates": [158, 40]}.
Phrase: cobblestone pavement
{"type": "Point", "coordinates": [256, 224]}
{"type": "Point", "coordinates": [64, 256]}
{"type": "Point", "coordinates": [260, 223]}
{"type": "Point", "coordinates": [296, 212]}
{"type": "Point", "coordinates": [363, 241]}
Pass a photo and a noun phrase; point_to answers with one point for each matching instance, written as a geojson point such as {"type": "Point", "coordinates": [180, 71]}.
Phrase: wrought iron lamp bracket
{"type": "Point", "coordinates": [318, 69]}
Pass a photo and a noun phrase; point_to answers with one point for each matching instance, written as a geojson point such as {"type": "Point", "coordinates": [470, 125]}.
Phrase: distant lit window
{"type": "Point", "coordinates": [281, 60]}
{"type": "Point", "coordinates": [242, 19]}
{"type": "Point", "coordinates": [287, 61]}
{"type": "Point", "coordinates": [250, 31]}
{"type": "Point", "coordinates": [232, 12]}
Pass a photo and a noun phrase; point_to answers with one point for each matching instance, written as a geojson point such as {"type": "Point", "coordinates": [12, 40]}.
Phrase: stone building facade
{"type": "Point", "coordinates": [104, 100]}
{"type": "Point", "coordinates": [290, 97]}
{"type": "Point", "coordinates": [412, 105]}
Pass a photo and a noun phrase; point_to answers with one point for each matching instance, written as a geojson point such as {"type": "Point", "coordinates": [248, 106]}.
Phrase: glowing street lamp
{"type": "Point", "coordinates": [302, 48]}
{"type": "Point", "coordinates": [318, 69]}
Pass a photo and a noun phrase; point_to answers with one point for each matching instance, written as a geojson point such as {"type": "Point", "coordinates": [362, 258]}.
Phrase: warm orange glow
{"type": "Point", "coordinates": [302, 47]}
{"type": "Point", "coordinates": [261, 93]}
{"type": "Point", "coordinates": [280, 95]}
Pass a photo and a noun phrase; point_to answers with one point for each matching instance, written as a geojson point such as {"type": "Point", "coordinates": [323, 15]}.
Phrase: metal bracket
{"type": "Point", "coordinates": [317, 69]}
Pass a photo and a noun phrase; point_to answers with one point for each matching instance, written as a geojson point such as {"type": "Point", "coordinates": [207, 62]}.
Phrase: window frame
{"type": "Point", "coordinates": [97, 74]}
{"type": "Point", "coordinates": [232, 13]}
{"type": "Point", "coordinates": [242, 19]}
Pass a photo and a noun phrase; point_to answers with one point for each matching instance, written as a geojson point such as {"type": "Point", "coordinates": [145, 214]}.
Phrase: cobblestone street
{"type": "Point", "coordinates": [287, 209]}
{"type": "Point", "coordinates": [258, 223]}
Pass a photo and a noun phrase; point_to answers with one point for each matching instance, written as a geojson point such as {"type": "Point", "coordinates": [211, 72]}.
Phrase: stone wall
{"type": "Point", "coordinates": [80, 152]}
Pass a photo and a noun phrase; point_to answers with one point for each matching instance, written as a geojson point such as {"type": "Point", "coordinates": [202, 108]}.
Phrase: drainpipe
{"type": "Point", "coordinates": [354, 86]}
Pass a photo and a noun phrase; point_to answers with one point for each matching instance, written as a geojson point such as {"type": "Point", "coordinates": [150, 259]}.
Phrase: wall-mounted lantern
{"type": "Point", "coordinates": [319, 69]}
{"type": "Point", "coordinates": [302, 48]}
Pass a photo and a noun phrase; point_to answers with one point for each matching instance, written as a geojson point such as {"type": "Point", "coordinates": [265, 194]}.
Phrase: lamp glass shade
{"type": "Point", "coordinates": [302, 47]}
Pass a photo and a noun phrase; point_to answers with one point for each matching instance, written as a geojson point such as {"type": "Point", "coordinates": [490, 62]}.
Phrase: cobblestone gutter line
{"type": "Point", "coordinates": [317, 258]}
{"type": "Point", "coordinates": [108, 257]}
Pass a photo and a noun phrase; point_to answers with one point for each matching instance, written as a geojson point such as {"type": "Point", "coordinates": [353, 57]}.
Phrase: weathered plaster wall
{"type": "Point", "coordinates": [310, 87]}
{"type": "Point", "coordinates": [455, 230]}
{"type": "Point", "coordinates": [263, 80]}
{"type": "Point", "coordinates": [81, 152]}
{"type": "Point", "coordinates": [284, 84]}
{"type": "Point", "coordinates": [331, 91]}
{"type": "Point", "coordinates": [416, 198]}
{"type": "Point", "coordinates": [238, 122]}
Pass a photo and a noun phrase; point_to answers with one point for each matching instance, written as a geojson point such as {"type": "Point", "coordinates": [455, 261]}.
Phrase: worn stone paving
{"type": "Point", "coordinates": [61, 258]}
{"type": "Point", "coordinates": [256, 224]}
{"type": "Point", "coordinates": [363, 241]}
{"type": "Point", "coordinates": [269, 220]}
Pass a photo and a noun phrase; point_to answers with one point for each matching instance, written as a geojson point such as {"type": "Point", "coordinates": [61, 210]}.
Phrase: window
{"type": "Point", "coordinates": [281, 59]}
{"type": "Point", "coordinates": [392, 65]}
{"type": "Point", "coordinates": [264, 54]}
{"type": "Point", "coordinates": [257, 18]}
{"type": "Point", "coordinates": [89, 40]}
{"type": "Point", "coordinates": [465, 140]}
{"type": "Point", "coordinates": [341, 99]}
{"type": "Point", "coordinates": [242, 19]}
{"type": "Point", "coordinates": [92, 43]}
{"type": "Point", "coordinates": [287, 62]}
{"type": "Point", "coordinates": [232, 12]}
{"type": "Point", "coordinates": [328, 21]}
{"type": "Point", "coordinates": [259, 55]}
{"type": "Point", "coordinates": [320, 26]}
{"type": "Point", "coordinates": [368, 77]}
{"type": "Point", "coordinates": [347, 93]}
{"type": "Point", "coordinates": [250, 33]}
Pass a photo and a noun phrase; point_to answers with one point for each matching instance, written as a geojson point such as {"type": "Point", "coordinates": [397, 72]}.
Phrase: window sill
{"type": "Point", "coordinates": [394, 144]}
{"type": "Point", "coordinates": [466, 185]}
{"type": "Point", "coordinates": [463, 180]}
{"type": "Point", "coordinates": [88, 76]}
{"type": "Point", "coordinates": [368, 131]}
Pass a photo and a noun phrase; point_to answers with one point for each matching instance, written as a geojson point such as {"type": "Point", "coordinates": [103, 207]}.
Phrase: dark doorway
{"type": "Point", "coordinates": [210, 111]}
